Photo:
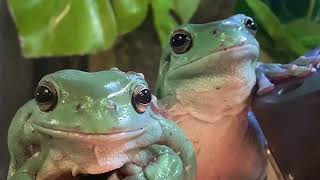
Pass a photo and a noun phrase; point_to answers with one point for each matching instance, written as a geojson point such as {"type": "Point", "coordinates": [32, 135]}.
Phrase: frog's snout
{"type": "Point", "coordinates": [108, 106]}
{"type": "Point", "coordinates": [229, 25]}
{"type": "Point", "coordinates": [226, 30]}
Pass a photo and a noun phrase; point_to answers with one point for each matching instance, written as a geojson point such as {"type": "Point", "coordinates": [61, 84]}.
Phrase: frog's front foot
{"type": "Point", "coordinates": [155, 163]}
{"type": "Point", "coordinates": [268, 74]}
{"type": "Point", "coordinates": [313, 60]}
{"type": "Point", "coordinates": [28, 171]}
{"type": "Point", "coordinates": [129, 171]}
{"type": "Point", "coordinates": [305, 65]}
{"type": "Point", "coordinates": [21, 176]}
{"type": "Point", "coordinates": [166, 164]}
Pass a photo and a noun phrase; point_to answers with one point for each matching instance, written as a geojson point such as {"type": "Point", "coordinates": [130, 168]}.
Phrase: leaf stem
{"type": "Point", "coordinates": [317, 16]}
{"type": "Point", "coordinates": [311, 8]}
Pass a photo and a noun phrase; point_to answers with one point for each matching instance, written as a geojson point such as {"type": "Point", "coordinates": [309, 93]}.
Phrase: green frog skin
{"type": "Point", "coordinates": [91, 123]}
{"type": "Point", "coordinates": [205, 84]}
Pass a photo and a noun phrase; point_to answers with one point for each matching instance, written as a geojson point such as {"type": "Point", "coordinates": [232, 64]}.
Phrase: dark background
{"type": "Point", "coordinates": [138, 51]}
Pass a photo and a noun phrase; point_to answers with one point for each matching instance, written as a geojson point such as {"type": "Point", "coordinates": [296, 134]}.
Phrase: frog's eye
{"type": "Point", "coordinates": [180, 41]}
{"type": "Point", "coordinates": [141, 98]}
{"type": "Point", "coordinates": [251, 25]}
{"type": "Point", "coordinates": [46, 96]}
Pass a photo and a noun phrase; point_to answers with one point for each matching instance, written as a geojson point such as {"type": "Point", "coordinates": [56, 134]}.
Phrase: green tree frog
{"type": "Point", "coordinates": [82, 123]}
{"type": "Point", "coordinates": [206, 81]}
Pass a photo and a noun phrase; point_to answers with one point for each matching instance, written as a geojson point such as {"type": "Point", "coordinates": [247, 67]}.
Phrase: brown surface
{"type": "Point", "coordinates": [291, 125]}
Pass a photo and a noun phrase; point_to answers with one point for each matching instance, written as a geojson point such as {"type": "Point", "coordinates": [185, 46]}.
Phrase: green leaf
{"type": "Point", "coordinates": [287, 28]}
{"type": "Point", "coordinates": [186, 8]}
{"type": "Point", "coordinates": [129, 13]}
{"type": "Point", "coordinates": [64, 27]}
{"type": "Point", "coordinates": [317, 13]}
{"type": "Point", "coordinates": [304, 31]}
{"type": "Point", "coordinates": [303, 27]}
{"type": "Point", "coordinates": [73, 27]}
{"type": "Point", "coordinates": [163, 20]}
{"type": "Point", "coordinates": [270, 22]}
{"type": "Point", "coordinates": [275, 28]}
{"type": "Point", "coordinates": [312, 5]}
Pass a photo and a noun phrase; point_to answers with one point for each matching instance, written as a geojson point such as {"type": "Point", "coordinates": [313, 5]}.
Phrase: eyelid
{"type": "Point", "coordinates": [56, 84]}
{"type": "Point", "coordinates": [124, 90]}
{"type": "Point", "coordinates": [138, 88]}
{"type": "Point", "coordinates": [48, 84]}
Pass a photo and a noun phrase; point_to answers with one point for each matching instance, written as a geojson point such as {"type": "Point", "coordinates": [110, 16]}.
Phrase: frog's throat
{"type": "Point", "coordinates": [242, 51]}
{"type": "Point", "coordinates": [82, 136]}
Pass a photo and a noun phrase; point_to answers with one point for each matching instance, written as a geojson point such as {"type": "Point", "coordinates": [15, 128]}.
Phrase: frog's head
{"type": "Point", "coordinates": [106, 102]}
{"type": "Point", "coordinates": [214, 51]}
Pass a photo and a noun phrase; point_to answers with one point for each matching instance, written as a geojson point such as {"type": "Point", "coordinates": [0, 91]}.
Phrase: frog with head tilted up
{"type": "Point", "coordinates": [205, 84]}
{"type": "Point", "coordinates": [90, 123]}
{"type": "Point", "coordinates": [206, 81]}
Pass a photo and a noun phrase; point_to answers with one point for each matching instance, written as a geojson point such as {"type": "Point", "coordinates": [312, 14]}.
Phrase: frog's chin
{"type": "Point", "coordinates": [84, 136]}
{"type": "Point", "coordinates": [220, 60]}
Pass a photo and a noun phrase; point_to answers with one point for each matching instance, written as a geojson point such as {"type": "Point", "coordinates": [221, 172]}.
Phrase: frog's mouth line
{"type": "Point", "coordinates": [228, 48]}
{"type": "Point", "coordinates": [113, 136]}
{"type": "Point", "coordinates": [242, 49]}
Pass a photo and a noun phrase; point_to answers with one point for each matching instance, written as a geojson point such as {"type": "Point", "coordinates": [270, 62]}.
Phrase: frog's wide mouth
{"type": "Point", "coordinates": [225, 55]}
{"type": "Point", "coordinates": [111, 136]}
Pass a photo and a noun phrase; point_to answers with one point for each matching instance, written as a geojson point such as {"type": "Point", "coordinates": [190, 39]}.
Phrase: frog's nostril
{"type": "Point", "coordinates": [78, 107]}
{"type": "Point", "coordinates": [111, 106]}
{"type": "Point", "coordinates": [215, 32]}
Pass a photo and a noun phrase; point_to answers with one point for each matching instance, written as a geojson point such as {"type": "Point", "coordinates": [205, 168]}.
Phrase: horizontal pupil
{"type": "Point", "coordinates": [43, 94]}
{"type": "Point", "coordinates": [179, 40]}
{"type": "Point", "coordinates": [251, 24]}
{"type": "Point", "coordinates": [143, 97]}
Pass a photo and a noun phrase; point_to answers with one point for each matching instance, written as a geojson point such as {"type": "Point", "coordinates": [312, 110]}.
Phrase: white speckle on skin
{"type": "Point", "coordinates": [114, 69]}
{"type": "Point", "coordinates": [188, 167]}
{"type": "Point", "coordinates": [75, 171]}
{"type": "Point", "coordinates": [123, 90]}
{"type": "Point", "coordinates": [142, 75]}
{"type": "Point", "coordinates": [290, 177]}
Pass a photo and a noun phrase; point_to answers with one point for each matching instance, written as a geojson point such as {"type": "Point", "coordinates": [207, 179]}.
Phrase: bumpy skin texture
{"type": "Point", "coordinates": [207, 90]}
{"type": "Point", "coordinates": [94, 128]}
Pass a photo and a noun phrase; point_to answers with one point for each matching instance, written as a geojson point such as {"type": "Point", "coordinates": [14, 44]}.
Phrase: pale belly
{"type": "Point", "coordinates": [65, 160]}
{"type": "Point", "coordinates": [223, 151]}
{"type": "Point", "coordinates": [96, 154]}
